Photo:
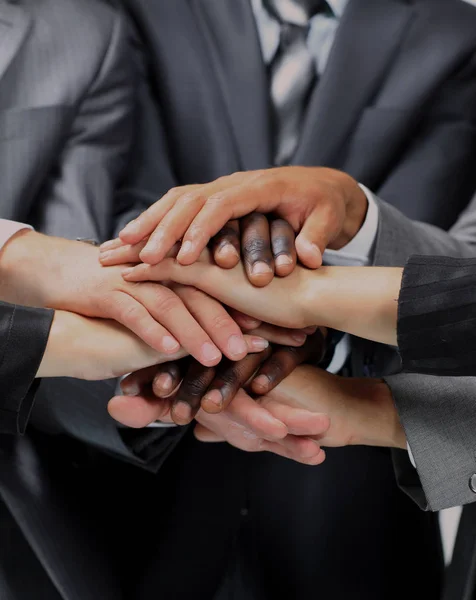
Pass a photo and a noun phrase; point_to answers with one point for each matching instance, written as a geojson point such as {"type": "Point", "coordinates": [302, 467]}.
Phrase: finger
{"type": "Point", "coordinates": [284, 249]}
{"type": "Point", "coordinates": [144, 224]}
{"type": "Point", "coordinates": [280, 335]}
{"type": "Point", "coordinates": [169, 310]}
{"type": "Point", "coordinates": [256, 248]}
{"type": "Point", "coordinates": [234, 198]}
{"type": "Point", "coordinates": [244, 321]}
{"type": "Point", "coordinates": [182, 206]}
{"type": "Point", "coordinates": [322, 225]}
{"type": "Point", "coordinates": [203, 434]}
{"type": "Point", "coordinates": [138, 411]}
{"type": "Point", "coordinates": [313, 460]}
{"type": "Point", "coordinates": [255, 417]}
{"type": "Point", "coordinates": [135, 383]}
{"type": "Point", "coordinates": [121, 255]}
{"type": "Point", "coordinates": [230, 377]}
{"type": "Point", "coordinates": [111, 244]}
{"type": "Point", "coordinates": [167, 378]}
{"type": "Point", "coordinates": [215, 320]}
{"type": "Point", "coordinates": [299, 422]}
{"type": "Point", "coordinates": [225, 245]}
{"type": "Point", "coordinates": [284, 360]}
{"type": "Point", "coordinates": [194, 385]}
{"type": "Point", "coordinates": [132, 314]}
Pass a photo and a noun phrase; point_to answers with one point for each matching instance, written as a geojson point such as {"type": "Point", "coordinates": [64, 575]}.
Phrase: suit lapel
{"type": "Point", "coordinates": [14, 26]}
{"type": "Point", "coordinates": [230, 31]}
{"type": "Point", "coordinates": [367, 39]}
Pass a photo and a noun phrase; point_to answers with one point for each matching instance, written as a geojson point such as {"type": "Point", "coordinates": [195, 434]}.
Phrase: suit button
{"type": "Point", "coordinates": [472, 483]}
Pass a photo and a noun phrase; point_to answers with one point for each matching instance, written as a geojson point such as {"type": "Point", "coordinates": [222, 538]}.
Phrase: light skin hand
{"type": "Point", "coordinates": [95, 349]}
{"type": "Point", "coordinates": [362, 301]}
{"type": "Point", "coordinates": [38, 270]}
{"type": "Point", "coordinates": [324, 207]}
{"type": "Point", "coordinates": [361, 410]}
{"type": "Point", "coordinates": [244, 424]}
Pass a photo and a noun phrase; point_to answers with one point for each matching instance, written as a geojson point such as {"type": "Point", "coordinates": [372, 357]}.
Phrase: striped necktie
{"type": "Point", "coordinates": [292, 72]}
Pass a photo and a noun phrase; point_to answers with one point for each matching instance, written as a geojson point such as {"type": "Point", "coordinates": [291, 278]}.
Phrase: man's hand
{"type": "Point", "coordinates": [244, 424]}
{"type": "Point", "coordinates": [326, 208]}
{"type": "Point", "coordinates": [38, 270]}
{"type": "Point", "coordinates": [212, 389]}
{"type": "Point", "coordinates": [266, 246]}
{"type": "Point", "coordinates": [361, 410]}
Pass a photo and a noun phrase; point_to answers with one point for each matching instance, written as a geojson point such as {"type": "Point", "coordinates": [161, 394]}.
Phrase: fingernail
{"type": "Point", "coordinates": [182, 411]}
{"type": "Point", "coordinates": [170, 344]}
{"type": "Point", "coordinates": [130, 389]}
{"type": "Point", "coordinates": [300, 338]}
{"type": "Point", "coordinates": [127, 271]}
{"type": "Point", "coordinates": [132, 227]}
{"type": "Point", "coordinates": [237, 346]}
{"type": "Point", "coordinates": [272, 421]}
{"type": "Point", "coordinates": [210, 352]}
{"type": "Point", "coordinates": [262, 381]}
{"type": "Point", "coordinates": [186, 248]}
{"type": "Point", "coordinates": [258, 343]}
{"type": "Point", "coordinates": [227, 250]}
{"type": "Point", "coordinates": [214, 397]}
{"type": "Point", "coordinates": [261, 268]}
{"type": "Point", "coordinates": [283, 260]}
{"type": "Point", "coordinates": [249, 435]}
{"type": "Point", "coordinates": [105, 255]}
{"type": "Point", "coordinates": [107, 245]}
{"type": "Point", "coordinates": [164, 381]}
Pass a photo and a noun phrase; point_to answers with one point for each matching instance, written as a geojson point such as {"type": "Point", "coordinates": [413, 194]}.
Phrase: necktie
{"type": "Point", "coordinates": [292, 72]}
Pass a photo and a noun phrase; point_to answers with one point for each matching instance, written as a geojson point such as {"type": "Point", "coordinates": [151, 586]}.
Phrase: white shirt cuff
{"type": "Point", "coordinates": [358, 252]}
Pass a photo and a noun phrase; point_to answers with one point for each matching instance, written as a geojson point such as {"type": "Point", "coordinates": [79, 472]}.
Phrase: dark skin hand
{"type": "Point", "coordinates": [212, 389]}
{"type": "Point", "coordinates": [265, 244]}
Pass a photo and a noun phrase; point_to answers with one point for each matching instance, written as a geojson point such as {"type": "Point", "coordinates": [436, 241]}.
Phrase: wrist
{"type": "Point", "coordinates": [23, 269]}
{"type": "Point", "coordinates": [375, 412]}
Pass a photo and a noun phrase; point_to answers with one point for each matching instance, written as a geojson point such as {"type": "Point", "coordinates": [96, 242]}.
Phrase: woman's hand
{"type": "Point", "coordinates": [95, 349]}
{"type": "Point", "coordinates": [282, 302]}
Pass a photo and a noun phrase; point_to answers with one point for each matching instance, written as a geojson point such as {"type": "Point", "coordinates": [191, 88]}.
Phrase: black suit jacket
{"type": "Point", "coordinates": [436, 316]}
{"type": "Point", "coordinates": [23, 337]}
{"type": "Point", "coordinates": [396, 108]}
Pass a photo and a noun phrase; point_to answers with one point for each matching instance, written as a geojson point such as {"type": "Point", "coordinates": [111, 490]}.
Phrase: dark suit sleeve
{"type": "Point", "coordinates": [23, 337]}
{"type": "Point", "coordinates": [437, 316]}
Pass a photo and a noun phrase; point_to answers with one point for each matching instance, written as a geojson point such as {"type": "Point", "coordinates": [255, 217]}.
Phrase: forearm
{"type": "Point", "coordinates": [94, 349]}
{"type": "Point", "coordinates": [358, 300]}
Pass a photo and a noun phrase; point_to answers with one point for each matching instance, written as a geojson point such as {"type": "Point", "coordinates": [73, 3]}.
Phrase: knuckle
{"type": "Point", "coordinates": [219, 322]}
{"type": "Point", "coordinates": [168, 301]}
{"type": "Point", "coordinates": [282, 243]}
{"type": "Point", "coordinates": [257, 248]}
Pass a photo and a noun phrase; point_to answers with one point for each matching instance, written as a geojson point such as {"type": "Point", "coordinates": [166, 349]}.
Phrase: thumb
{"type": "Point", "coordinates": [323, 225]}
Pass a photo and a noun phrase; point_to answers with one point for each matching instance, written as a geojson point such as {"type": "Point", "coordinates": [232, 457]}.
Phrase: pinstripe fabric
{"type": "Point", "coordinates": [66, 96]}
